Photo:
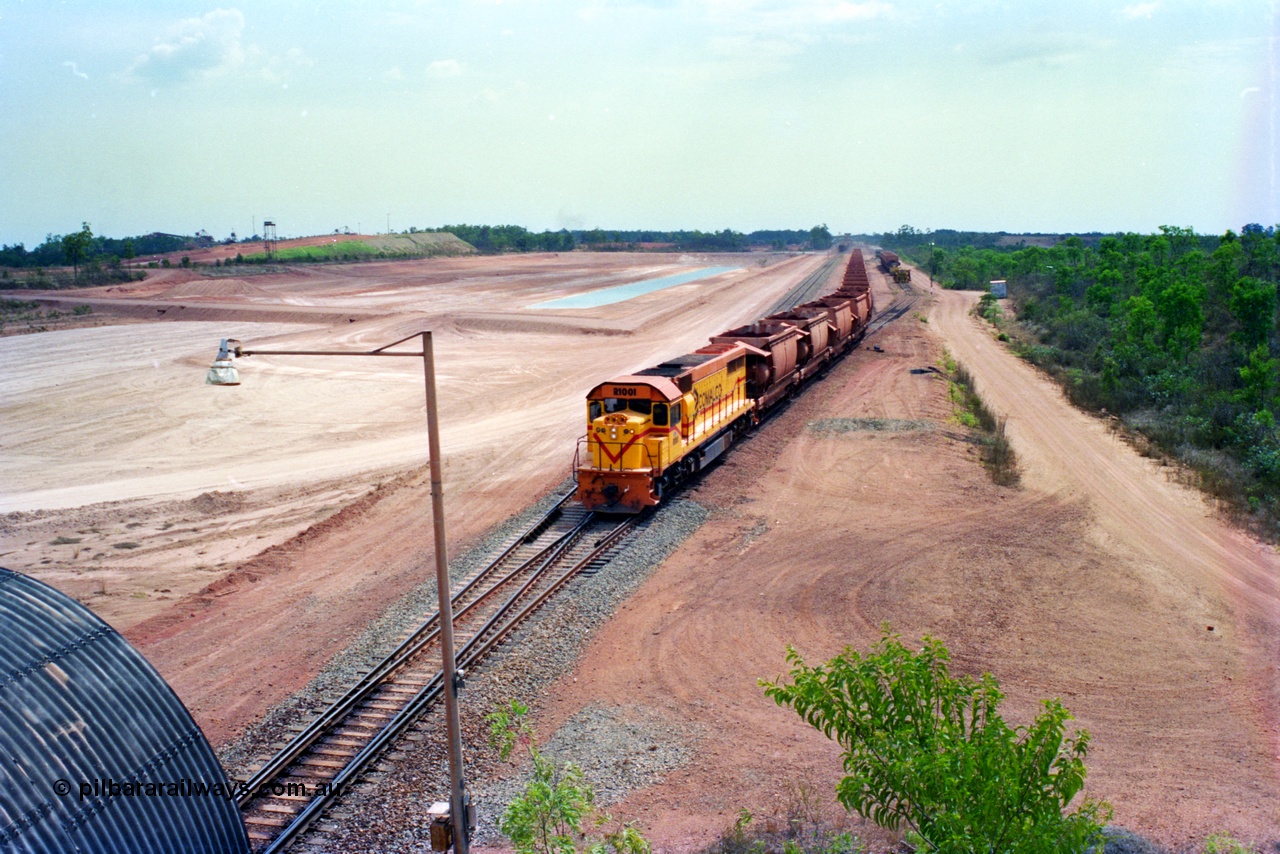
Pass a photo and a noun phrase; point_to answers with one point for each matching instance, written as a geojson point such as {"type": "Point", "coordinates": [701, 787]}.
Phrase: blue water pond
{"type": "Point", "coordinates": [607, 296]}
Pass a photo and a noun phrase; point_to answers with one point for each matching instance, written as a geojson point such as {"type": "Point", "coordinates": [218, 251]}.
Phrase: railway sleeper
{"type": "Point", "coordinates": [287, 809]}
{"type": "Point", "coordinates": [313, 762]}
{"type": "Point", "coordinates": [333, 750]}
{"type": "Point", "coordinates": [383, 705]}
{"type": "Point", "coordinates": [357, 729]}
{"type": "Point", "coordinates": [266, 821]}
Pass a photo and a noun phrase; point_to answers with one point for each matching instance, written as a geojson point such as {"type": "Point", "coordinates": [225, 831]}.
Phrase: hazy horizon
{"type": "Point", "coordinates": [743, 114]}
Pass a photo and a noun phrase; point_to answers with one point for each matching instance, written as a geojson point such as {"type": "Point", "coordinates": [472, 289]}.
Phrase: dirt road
{"type": "Point", "coordinates": [1185, 549]}
{"type": "Point", "coordinates": [1096, 582]}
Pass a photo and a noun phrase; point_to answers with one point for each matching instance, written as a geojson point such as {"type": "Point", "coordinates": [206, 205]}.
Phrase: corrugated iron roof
{"type": "Point", "coordinates": [97, 753]}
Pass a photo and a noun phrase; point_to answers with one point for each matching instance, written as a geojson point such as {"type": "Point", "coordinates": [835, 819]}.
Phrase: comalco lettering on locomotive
{"type": "Point", "coordinates": [707, 398]}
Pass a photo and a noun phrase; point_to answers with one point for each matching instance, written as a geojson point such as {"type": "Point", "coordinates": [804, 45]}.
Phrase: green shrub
{"type": "Point", "coordinates": [548, 818]}
{"type": "Point", "coordinates": [1221, 843]}
{"type": "Point", "coordinates": [930, 752]}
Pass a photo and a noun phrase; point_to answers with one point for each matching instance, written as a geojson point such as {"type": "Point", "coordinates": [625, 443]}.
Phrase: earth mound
{"type": "Point", "coordinates": [216, 288]}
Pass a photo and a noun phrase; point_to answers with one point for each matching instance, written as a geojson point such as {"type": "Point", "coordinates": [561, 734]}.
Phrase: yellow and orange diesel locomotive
{"type": "Point", "coordinates": [649, 431]}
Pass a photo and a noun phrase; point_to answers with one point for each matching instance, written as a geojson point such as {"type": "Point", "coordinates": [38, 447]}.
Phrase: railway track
{"type": "Point", "coordinates": [903, 303]}
{"type": "Point", "coordinates": [809, 289]}
{"type": "Point", "coordinates": [308, 776]}
{"type": "Point", "coordinates": [294, 789]}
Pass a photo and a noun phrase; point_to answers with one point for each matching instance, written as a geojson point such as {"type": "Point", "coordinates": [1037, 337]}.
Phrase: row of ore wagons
{"type": "Point", "coordinates": [649, 431]}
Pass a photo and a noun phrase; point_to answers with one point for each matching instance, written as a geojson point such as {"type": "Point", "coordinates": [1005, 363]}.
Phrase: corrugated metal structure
{"type": "Point", "coordinates": [97, 753]}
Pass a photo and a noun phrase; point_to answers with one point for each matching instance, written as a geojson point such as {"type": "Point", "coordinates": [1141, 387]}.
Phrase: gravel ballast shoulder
{"type": "Point", "coordinates": [620, 749]}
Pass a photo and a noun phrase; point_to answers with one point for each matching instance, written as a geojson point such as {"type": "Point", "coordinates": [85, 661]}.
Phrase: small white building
{"type": "Point", "coordinates": [999, 288]}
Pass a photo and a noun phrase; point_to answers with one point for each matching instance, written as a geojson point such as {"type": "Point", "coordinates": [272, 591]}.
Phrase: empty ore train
{"type": "Point", "coordinates": [649, 431]}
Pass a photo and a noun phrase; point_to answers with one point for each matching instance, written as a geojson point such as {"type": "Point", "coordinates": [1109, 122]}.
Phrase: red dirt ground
{"type": "Point", "coordinates": [1098, 581]}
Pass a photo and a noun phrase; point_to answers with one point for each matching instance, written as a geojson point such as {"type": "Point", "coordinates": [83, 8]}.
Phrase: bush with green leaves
{"type": "Point", "coordinates": [929, 753]}
{"type": "Point", "coordinates": [557, 807]}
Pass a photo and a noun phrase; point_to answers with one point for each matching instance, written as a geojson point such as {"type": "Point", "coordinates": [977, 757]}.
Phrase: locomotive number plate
{"type": "Point", "coordinates": [618, 391]}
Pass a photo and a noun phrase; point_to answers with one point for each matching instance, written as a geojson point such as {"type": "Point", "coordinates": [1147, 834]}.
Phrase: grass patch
{"type": "Point", "coordinates": [1221, 843]}
{"type": "Point", "coordinates": [803, 830]}
{"type": "Point", "coordinates": [972, 412]}
{"type": "Point", "coordinates": [126, 546]}
{"type": "Point", "coordinates": [64, 541]}
{"type": "Point", "coordinates": [347, 250]}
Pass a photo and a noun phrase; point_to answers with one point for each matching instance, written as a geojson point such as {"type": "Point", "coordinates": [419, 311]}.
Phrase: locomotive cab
{"type": "Point", "coordinates": [646, 432]}
{"type": "Point", "coordinates": [630, 438]}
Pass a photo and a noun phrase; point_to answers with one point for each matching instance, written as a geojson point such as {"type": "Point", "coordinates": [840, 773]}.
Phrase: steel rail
{"type": "Point", "coordinates": [470, 654]}
{"type": "Point", "coordinates": [397, 658]}
{"type": "Point", "coordinates": [806, 291]}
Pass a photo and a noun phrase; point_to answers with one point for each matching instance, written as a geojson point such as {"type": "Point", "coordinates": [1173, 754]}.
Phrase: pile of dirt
{"type": "Point", "coordinates": [216, 288]}
{"type": "Point", "coordinates": [211, 503]}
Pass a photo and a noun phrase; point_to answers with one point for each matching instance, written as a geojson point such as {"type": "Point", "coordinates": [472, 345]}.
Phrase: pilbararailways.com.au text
{"type": "Point", "coordinates": [186, 788]}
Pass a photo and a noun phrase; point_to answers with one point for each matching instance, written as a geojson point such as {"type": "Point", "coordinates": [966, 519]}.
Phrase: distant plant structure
{"type": "Point", "coordinates": [928, 752]}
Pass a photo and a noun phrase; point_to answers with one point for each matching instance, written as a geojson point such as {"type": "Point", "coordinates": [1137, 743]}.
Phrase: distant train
{"type": "Point", "coordinates": [650, 431]}
{"type": "Point", "coordinates": [892, 264]}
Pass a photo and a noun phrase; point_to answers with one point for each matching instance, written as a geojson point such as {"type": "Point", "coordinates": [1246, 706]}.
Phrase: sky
{"type": "Point", "coordinates": [1021, 116]}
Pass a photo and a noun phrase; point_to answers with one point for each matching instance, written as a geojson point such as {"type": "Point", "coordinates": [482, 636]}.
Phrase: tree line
{"type": "Point", "coordinates": [84, 245]}
{"type": "Point", "coordinates": [514, 238]}
{"type": "Point", "coordinates": [1175, 332]}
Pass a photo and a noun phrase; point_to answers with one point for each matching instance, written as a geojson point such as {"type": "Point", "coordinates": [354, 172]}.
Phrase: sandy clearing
{"type": "Point", "coordinates": [302, 444]}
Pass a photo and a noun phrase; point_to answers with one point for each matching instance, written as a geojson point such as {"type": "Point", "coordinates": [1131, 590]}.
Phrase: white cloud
{"type": "Point", "coordinates": [752, 47]}
{"type": "Point", "coordinates": [442, 68]}
{"type": "Point", "coordinates": [775, 16]}
{"type": "Point", "coordinates": [205, 45]}
{"type": "Point", "coordinates": [74, 70]}
{"type": "Point", "coordinates": [277, 67]}
{"type": "Point", "coordinates": [1139, 10]}
{"type": "Point", "coordinates": [210, 46]}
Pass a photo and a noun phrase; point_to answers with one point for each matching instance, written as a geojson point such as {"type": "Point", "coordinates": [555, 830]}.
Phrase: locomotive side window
{"type": "Point", "coordinates": [595, 409]}
{"type": "Point", "coordinates": [675, 413]}
{"type": "Point", "coordinates": [660, 415]}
